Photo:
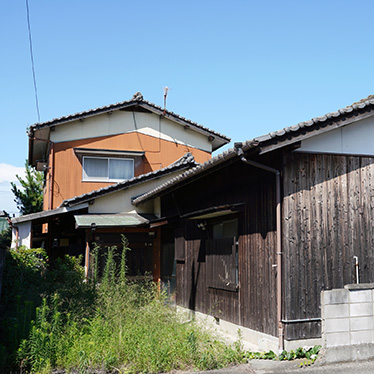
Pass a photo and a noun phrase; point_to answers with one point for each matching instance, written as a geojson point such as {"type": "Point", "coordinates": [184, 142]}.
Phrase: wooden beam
{"type": "Point", "coordinates": [158, 224]}
{"type": "Point", "coordinates": [87, 256]}
{"type": "Point", "coordinates": [157, 256]}
{"type": "Point", "coordinates": [122, 229]}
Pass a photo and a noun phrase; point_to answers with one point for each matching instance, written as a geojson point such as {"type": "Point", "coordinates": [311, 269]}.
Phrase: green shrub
{"type": "Point", "coordinates": [23, 277]}
{"type": "Point", "coordinates": [111, 324]}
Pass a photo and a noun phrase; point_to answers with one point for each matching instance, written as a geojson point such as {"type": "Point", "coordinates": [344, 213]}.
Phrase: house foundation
{"type": "Point", "coordinates": [252, 340]}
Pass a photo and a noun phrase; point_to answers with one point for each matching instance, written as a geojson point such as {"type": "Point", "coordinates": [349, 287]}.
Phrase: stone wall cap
{"type": "Point", "coordinates": [360, 286]}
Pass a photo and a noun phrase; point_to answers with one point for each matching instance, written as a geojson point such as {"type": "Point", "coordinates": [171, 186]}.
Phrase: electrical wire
{"type": "Point", "coordinates": [32, 60]}
{"type": "Point", "coordinates": [137, 131]}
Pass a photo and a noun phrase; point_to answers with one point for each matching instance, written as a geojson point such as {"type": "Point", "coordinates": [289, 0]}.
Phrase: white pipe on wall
{"type": "Point", "coordinates": [356, 266]}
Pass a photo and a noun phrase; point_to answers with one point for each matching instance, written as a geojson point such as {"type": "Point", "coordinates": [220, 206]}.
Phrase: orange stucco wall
{"type": "Point", "coordinates": [67, 168]}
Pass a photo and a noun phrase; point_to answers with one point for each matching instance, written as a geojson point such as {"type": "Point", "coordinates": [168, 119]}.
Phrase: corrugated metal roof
{"type": "Point", "coordinates": [138, 100]}
{"type": "Point", "coordinates": [111, 220]}
{"type": "Point", "coordinates": [279, 136]}
{"type": "Point", "coordinates": [47, 214]}
{"type": "Point", "coordinates": [186, 161]}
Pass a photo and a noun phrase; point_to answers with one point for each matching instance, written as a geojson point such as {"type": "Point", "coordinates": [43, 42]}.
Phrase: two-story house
{"type": "Point", "coordinates": [95, 162]}
{"type": "Point", "coordinates": [86, 151]}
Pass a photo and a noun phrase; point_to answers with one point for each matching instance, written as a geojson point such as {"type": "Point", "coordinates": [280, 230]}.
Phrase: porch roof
{"type": "Point", "coordinates": [112, 220]}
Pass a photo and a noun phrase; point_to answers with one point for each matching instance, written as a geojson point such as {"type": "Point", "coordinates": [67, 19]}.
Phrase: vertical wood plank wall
{"type": "Point", "coordinates": [328, 211]}
{"type": "Point", "coordinates": [327, 218]}
{"type": "Point", "coordinates": [254, 304]}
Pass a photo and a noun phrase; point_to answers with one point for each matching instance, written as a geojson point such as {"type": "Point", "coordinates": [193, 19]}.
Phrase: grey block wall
{"type": "Point", "coordinates": [348, 315]}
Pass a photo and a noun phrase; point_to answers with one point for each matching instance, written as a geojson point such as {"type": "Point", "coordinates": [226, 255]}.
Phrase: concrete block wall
{"type": "Point", "coordinates": [348, 315]}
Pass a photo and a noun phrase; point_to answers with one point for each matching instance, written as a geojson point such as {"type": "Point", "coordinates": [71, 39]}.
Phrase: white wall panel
{"type": "Point", "coordinates": [355, 139]}
{"type": "Point", "coordinates": [120, 122]}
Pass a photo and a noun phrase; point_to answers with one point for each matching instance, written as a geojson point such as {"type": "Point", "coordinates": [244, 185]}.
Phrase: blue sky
{"type": "Point", "coordinates": [242, 68]}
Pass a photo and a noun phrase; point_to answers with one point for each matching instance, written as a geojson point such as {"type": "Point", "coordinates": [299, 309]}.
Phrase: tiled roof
{"type": "Point", "coordinates": [360, 105]}
{"type": "Point", "coordinates": [186, 161]}
{"type": "Point", "coordinates": [186, 175]}
{"type": "Point", "coordinates": [137, 99]}
{"type": "Point", "coordinates": [329, 118]}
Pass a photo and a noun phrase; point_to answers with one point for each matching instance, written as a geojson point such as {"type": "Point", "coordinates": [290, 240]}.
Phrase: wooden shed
{"type": "Point", "coordinates": [259, 231]}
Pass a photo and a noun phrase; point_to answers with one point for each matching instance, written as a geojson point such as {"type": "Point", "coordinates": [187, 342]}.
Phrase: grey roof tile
{"type": "Point", "coordinates": [192, 172]}
{"type": "Point", "coordinates": [261, 140]}
{"type": "Point", "coordinates": [137, 99]}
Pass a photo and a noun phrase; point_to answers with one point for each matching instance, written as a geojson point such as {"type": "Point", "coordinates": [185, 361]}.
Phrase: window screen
{"type": "Point", "coordinates": [104, 169]}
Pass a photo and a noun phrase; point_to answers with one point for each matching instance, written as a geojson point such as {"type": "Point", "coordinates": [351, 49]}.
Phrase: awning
{"type": "Point", "coordinates": [112, 220]}
{"type": "Point", "coordinates": [107, 152]}
{"type": "Point", "coordinates": [214, 211]}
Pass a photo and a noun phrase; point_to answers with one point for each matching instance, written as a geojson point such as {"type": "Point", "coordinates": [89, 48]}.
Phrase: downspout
{"type": "Point", "coordinates": [240, 153]}
{"type": "Point", "coordinates": [52, 176]}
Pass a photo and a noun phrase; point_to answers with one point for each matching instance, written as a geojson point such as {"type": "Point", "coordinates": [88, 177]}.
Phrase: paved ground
{"type": "Point", "coordinates": [292, 367]}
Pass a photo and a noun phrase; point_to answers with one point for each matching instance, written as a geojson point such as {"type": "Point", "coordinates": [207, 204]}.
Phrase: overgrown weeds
{"type": "Point", "coordinates": [310, 355]}
{"type": "Point", "coordinates": [111, 324]}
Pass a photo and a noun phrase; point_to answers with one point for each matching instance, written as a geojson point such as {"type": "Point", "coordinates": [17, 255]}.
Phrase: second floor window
{"type": "Point", "coordinates": [107, 169]}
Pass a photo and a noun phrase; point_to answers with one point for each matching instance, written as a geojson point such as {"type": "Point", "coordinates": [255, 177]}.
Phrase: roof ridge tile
{"type": "Point", "coordinates": [137, 98]}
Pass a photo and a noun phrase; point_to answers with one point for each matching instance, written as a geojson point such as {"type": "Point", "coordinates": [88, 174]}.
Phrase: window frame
{"type": "Point", "coordinates": [107, 179]}
{"type": "Point", "coordinates": [231, 244]}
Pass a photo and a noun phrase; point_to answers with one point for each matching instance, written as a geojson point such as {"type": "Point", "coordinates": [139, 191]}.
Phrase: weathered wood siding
{"type": "Point", "coordinates": [328, 211]}
{"type": "Point", "coordinates": [253, 305]}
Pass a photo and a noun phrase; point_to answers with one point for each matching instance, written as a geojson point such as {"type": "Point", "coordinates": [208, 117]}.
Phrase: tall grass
{"type": "Point", "coordinates": [129, 328]}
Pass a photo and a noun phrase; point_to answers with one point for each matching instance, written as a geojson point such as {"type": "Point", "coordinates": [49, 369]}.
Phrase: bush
{"type": "Point", "coordinates": [22, 285]}
{"type": "Point", "coordinates": [6, 238]}
{"type": "Point", "coordinates": [113, 324]}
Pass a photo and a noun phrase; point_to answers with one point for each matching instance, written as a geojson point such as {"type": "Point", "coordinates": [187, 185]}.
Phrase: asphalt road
{"type": "Point", "coordinates": [292, 367]}
{"type": "Point", "coordinates": [359, 367]}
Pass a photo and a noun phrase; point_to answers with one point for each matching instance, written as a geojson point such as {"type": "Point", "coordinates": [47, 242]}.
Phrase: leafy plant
{"type": "Point", "coordinates": [310, 353]}
{"type": "Point", "coordinates": [113, 324]}
{"type": "Point", "coordinates": [22, 285]}
{"type": "Point", "coordinates": [6, 238]}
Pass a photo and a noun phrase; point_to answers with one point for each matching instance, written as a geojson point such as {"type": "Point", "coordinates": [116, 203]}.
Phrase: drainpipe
{"type": "Point", "coordinates": [356, 267]}
{"type": "Point", "coordinates": [240, 153]}
{"type": "Point", "coordinates": [52, 176]}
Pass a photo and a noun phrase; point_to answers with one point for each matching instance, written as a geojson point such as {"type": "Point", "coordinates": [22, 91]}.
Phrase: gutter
{"type": "Point", "coordinates": [240, 153]}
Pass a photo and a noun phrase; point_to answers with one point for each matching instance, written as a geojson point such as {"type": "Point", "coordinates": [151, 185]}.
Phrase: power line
{"type": "Point", "coordinates": [32, 60]}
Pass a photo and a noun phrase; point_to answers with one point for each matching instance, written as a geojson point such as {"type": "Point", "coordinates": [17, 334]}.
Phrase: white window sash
{"type": "Point", "coordinates": [112, 170]}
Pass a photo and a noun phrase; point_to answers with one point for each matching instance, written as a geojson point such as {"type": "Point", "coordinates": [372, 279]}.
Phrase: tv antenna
{"type": "Point", "coordinates": [166, 90]}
